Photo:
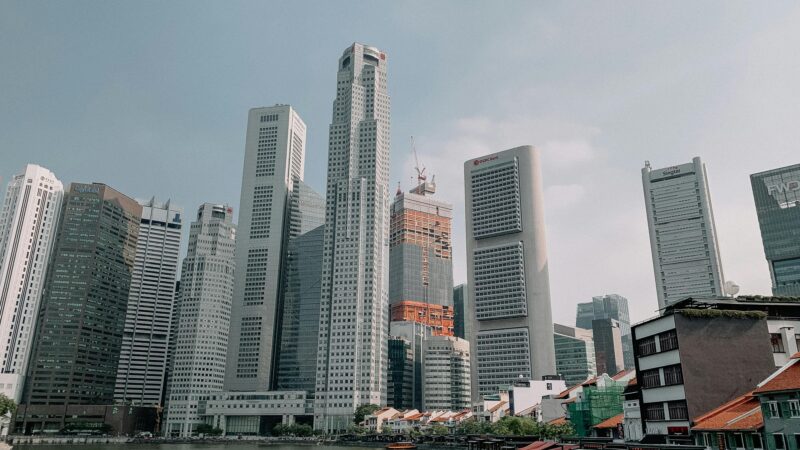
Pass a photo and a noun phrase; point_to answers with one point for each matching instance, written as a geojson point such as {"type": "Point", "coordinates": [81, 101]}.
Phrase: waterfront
{"type": "Point", "coordinates": [194, 446]}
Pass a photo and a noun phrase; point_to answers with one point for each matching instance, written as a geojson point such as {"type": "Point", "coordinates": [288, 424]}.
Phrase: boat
{"type": "Point", "coordinates": [401, 445]}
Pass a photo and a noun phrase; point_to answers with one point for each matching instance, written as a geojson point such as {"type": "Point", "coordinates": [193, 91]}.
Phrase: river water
{"type": "Point", "coordinates": [198, 446]}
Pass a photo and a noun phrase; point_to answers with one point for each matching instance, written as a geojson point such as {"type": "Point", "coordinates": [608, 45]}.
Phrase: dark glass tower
{"type": "Point", "coordinates": [777, 197]}
{"type": "Point", "coordinates": [611, 306]}
{"type": "Point", "coordinates": [299, 325]}
{"type": "Point", "coordinates": [81, 320]}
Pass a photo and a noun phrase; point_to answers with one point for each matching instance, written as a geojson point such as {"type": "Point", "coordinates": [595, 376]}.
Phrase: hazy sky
{"type": "Point", "coordinates": [151, 97]}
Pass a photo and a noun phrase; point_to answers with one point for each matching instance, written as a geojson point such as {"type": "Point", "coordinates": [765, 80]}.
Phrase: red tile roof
{"type": "Point", "coordinates": [558, 421]}
{"type": "Point", "coordinates": [740, 414]}
{"type": "Point", "coordinates": [498, 406]}
{"type": "Point", "coordinates": [787, 378]}
{"type": "Point", "coordinates": [611, 422]}
{"type": "Point", "coordinates": [540, 445]}
{"type": "Point", "coordinates": [621, 374]}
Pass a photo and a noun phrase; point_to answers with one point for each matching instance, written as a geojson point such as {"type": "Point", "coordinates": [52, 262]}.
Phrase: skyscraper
{"type": "Point", "coordinates": [143, 358]}
{"type": "Point", "coordinates": [201, 337]}
{"type": "Point", "coordinates": [415, 333]}
{"type": "Point", "coordinates": [274, 153]}
{"type": "Point", "coordinates": [777, 197]}
{"type": "Point", "coordinates": [507, 268]}
{"type": "Point", "coordinates": [575, 360]}
{"type": "Point", "coordinates": [299, 322]}
{"type": "Point", "coordinates": [608, 346]}
{"type": "Point", "coordinates": [351, 366]}
{"type": "Point", "coordinates": [462, 313]}
{"type": "Point", "coordinates": [82, 315]}
{"type": "Point", "coordinates": [400, 380]}
{"type": "Point", "coordinates": [683, 237]}
{"type": "Point", "coordinates": [610, 306]}
{"type": "Point", "coordinates": [420, 258]}
{"type": "Point", "coordinates": [446, 364]}
{"type": "Point", "coordinates": [28, 221]}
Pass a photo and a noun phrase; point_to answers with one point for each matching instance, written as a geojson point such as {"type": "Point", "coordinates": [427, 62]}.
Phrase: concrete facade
{"type": "Point", "coordinates": [683, 235]}
{"type": "Point", "coordinates": [508, 269]}
{"type": "Point", "coordinates": [274, 157]}
{"type": "Point", "coordinates": [446, 369]}
{"type": "Point", "coordinates": [143, 357]}
{"type": "Point", "coordinates": [201, 335]}
{"type": "Point", "coordinates": [28, 223]}
{"type": "Point", "coordinates": [353, 334]}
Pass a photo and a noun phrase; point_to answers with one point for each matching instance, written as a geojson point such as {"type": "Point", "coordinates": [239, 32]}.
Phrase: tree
{"type": "Point", "coordinates": [6, 405]}
{"type": "Point", "coordinates": [364, 410]}
{"type": "Point", "coordinates": [439, 430]}
{"type": "Point", "coordinates": [210, 430]}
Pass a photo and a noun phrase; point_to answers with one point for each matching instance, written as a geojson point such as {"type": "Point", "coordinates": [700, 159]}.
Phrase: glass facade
{"type": "Point", "coordinates": [575, 360]}
{"type": "Point", "coordinates": [611, 306]}
{"type": "Point", "coordinates": [777, 199]}
{"type": "Point", "coordinates": [401, 373]}
{"type": "Point", "coordinates": [82, 315]}
{"type": "Point", "coordinates": [296, 359]}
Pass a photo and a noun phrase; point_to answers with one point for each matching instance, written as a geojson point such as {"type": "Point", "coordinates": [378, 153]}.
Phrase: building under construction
{"type": "Point", "coordinates": [420, 251]}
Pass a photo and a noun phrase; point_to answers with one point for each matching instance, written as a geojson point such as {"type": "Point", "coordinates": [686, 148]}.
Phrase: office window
{"type": "Point", "coordinates": [654, 411]}
{"type": "Point", "coordinates": [738, 440]}
{"type": "Point", "coordinates": [651, 378]}
{"type": "Point", "coordinates": [777, 343]}
{"type": "Point", "coordinates": [780, 441]}
{"type": "Point", "coordinates": [758, 443]}
{"type": "Point", "coordinates": [677, 410]}
{"type": "Point", "coordinates": [646, 346]}
{"type": "Point", "coordinates": [774, 409]}
{"type": "Point", "coordinates": [673, 375]}
{"type": "Point", "coordinates": [794, 408]}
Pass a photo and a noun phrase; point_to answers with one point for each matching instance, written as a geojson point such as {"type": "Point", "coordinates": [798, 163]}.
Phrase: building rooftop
{"type": "Point", "coordinates": [740, 414]}
{"type": "Point", "coordinates": [610, 423]}
{"type": "Point", "coordinates": [787, 378]}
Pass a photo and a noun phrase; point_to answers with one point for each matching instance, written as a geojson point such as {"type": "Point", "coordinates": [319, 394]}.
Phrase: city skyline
{"type": "Point", "coordinates": [582, 152]}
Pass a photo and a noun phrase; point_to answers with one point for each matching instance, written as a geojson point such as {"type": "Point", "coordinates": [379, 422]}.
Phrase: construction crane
{"type": "Point", "coordinates": [423, 187]}
{"type": "Point", "coordinates": [421, 177]}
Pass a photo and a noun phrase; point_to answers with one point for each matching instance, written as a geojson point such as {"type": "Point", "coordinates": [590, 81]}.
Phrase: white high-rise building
{"type": "Point", "coordinates": [352, 361]}
{"type": "Point", "coordinates": [683, 237]}
{"type": "Point", "coordinates": [508, 271]}
{"type": "Point", "coordinates": [28, 222]}
{"type": "Point", "coordinates": [274, 152]}
{"type": "Point", "coordinates": [143, 356]}
{"type": "Point", "coordinates": [446, 365]}
{"type": "Point", "coordinates": [201, 341]}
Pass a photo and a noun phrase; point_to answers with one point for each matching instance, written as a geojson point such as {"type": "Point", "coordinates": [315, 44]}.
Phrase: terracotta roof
{"type": "Point", "coordinates": [621, 374]}
{"type": "Point", "coordinates": [742, 414]}
{"type": "Point", "coordinates": [787, 378]}
{"type": "Point", "coordinates": [565, 394]}
{"type": "Point", "coordinates": [611, 422]}
{"type": "Point", "coordinates": [498, 406]}
{"type": "Point", "coordinates": [558, 421]}
{"type": "Point", "coordinates": [539, 445]}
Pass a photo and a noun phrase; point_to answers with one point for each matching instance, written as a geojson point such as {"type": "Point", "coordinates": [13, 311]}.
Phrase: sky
{"type": "Point", "coordinates": [152, 97]}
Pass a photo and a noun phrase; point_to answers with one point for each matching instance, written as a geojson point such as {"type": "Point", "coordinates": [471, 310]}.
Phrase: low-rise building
{"type": "Point", "coordinates": [679, 357]}
{"type": "Point", "coordinates": [779, 396]}
{"type": "Point", "coordinates": [374, 422]}
{"type": "Point", "coordinates": [783, 318]}
{"type": "Point", "coordinates": [525, 396]}
{"type": "Point", "coordinates": [631, 413]}
{"type": "Point", "coordinates": [492, 408]}
{"type": "Point", "coordinates": [255, 413]}
{"type": "Point", "coordinates": [597, 401]}
{"type": "Point", "coordinates": [738, 424]}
